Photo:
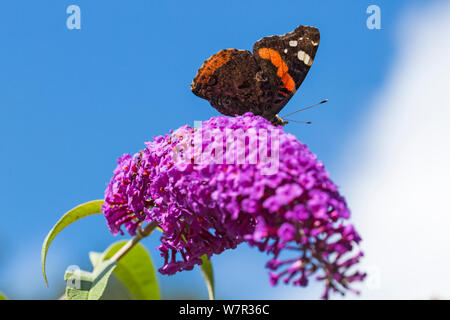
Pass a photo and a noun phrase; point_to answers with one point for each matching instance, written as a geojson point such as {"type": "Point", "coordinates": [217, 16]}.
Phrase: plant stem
{"type": "Point", "coordinates": [142, 233]}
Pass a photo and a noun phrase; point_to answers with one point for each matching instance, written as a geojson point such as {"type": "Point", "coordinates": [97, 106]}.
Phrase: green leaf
{"type": "Point", "coordinates": [96, 258]}
{"type": "Point", "coordinates": [135, 270]}
{"type": "Point", "coordinates": [3, 297]}
{"type": "Point", "coordinates": [208, 274]}
{"type": "Point", "coordinates": [101, 277]}
{"type": "Point", "coordinates": [77, 213]}
{"type": "Point", "coordinates": [83, 285]}
{"type": "Point", "coordinates": [78, 283]}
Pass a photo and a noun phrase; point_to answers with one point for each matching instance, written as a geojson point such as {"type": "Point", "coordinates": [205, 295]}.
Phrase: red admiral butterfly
{"type": "Point", "coordinates": [237, 81]}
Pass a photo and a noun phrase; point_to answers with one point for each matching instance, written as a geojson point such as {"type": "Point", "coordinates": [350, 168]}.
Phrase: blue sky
{"type": "Point", "coordinates": [72, 101]}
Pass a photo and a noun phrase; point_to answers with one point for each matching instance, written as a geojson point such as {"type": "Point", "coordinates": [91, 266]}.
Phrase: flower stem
{"type": "Point", "coordinates": [141, 234]}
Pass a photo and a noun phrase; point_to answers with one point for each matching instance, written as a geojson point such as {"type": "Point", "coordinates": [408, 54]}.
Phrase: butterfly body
{"type": "Point", "coordinates": [238, 81]}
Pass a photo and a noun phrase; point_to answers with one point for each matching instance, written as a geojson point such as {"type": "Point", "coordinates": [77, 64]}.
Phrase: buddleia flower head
{"type": "Point", "coordinates": [233, 180]}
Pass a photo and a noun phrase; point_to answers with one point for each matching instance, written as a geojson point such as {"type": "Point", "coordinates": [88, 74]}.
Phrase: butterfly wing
{"type": "Point", "coordinates": [289, 57]}
{"type": "Point", "coordinates": [226, 80]}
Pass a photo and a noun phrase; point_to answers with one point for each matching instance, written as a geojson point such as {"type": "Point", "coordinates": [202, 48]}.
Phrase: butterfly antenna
{"type": "Point", "coordinates": [290, 120]}
{"type": "Point", "coordinates": [303, 109]}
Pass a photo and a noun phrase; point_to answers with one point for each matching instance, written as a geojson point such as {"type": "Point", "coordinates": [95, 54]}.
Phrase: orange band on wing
{"type": "Point", "coordinates": [277, 61]}
{"type": "Point", "coordinates": [212, 64]}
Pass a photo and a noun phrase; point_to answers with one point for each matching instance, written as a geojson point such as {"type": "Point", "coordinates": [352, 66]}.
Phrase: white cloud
{"type": "Point", "coordinates": [400, 190]}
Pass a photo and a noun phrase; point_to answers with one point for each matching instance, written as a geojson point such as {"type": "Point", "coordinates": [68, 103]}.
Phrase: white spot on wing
{"type": "Point", "coordinates": [293, 43]}
{"type": "Point", "coordinates": [285, 50]}
{"type": "Point", "coordinates": [304, 57]}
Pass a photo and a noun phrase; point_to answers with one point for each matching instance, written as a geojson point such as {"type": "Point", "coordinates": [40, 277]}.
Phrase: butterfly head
{"type": "Point", "coordinates": [278, 121]}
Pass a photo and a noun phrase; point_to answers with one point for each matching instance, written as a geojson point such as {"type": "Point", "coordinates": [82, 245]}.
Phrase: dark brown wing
{"type": "Point", "coordinates": [289, 57]}
{"type": "Point", "coordinates": [227, 81]}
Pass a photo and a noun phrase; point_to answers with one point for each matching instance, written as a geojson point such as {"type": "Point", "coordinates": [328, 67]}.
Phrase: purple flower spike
{"type": "Point", "coordinates": [236, 180]}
